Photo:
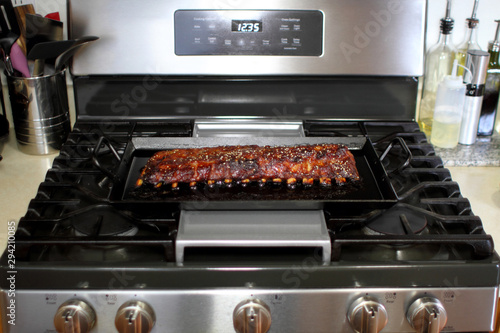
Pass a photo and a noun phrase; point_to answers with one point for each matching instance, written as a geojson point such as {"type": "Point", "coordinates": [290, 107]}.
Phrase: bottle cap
{"type": "Point", "coordinates": [477, 63]}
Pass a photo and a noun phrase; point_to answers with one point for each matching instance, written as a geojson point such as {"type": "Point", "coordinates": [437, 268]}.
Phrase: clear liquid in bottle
{"type": "Point", "coordinates": [445, 128]}
{"type": "Point", "coordinates": [448, 111]}
{"type": "Point", "coordinates": [438, 64]}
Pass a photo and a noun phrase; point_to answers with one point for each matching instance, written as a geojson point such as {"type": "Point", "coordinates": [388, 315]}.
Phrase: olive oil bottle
{"type": "Point", "coordinates": [470, 40]}
{"type": "Point", "coordinates": [438, 64]}
{"type": "Point", "coordinates": [489, 106]}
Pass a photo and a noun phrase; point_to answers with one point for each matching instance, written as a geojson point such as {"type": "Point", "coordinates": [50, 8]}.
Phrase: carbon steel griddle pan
{"type": "Point", "coordinates": [373, 189]}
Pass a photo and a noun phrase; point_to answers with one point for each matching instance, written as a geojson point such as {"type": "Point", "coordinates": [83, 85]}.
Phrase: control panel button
{"type": "Point", "coordinates": [135, 317]}
{"type": "Point", "coordinates": [367, 315]}
{"type": "Point", "coordinates": [252, 316]}
{"type": "Point", "coordinates": [74, 316]}
{"type": "Point", "coordinates": [427, 315]}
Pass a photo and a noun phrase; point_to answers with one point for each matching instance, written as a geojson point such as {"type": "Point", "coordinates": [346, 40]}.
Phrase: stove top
{"type": "Point", "coordinates": [76, 206]}
{"type": "Point", "coordinates": [78, 242]}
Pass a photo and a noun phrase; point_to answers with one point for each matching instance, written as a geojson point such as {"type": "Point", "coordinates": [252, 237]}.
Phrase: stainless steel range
{"type": "Point", "coordinates": [401, 251]}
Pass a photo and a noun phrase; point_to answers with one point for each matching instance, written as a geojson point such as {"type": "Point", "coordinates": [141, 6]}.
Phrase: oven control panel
{"type": "Point", "coordinates": [391, 310]}
{"type": "Point", "coordinates": [249, 32]}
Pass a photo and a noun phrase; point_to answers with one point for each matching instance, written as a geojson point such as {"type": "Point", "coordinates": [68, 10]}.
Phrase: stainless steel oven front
{"type": "Point", "coordinates": [399, 252]}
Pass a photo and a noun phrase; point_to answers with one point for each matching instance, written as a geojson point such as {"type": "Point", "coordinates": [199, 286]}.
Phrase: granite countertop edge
{"type": "Point", "coordinates": [485, 152]}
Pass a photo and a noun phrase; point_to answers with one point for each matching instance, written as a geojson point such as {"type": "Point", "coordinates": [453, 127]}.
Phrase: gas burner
{"type": "Point", "coordinates": [400, 253]}
{"type": "Point", "coordinates": [90, 253]}
{"type": "Point", "coordinates": [102, 222]}
{"type": "Point", "coordinates": [398, 220]}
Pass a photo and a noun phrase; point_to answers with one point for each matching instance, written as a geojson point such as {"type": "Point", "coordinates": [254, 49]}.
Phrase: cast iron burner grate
{"type": "Point", "coordinates": [72, 213]}
{"type": "Point", "coordinates": [407, 226]}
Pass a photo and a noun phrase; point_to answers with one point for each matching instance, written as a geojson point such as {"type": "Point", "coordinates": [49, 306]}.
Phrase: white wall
{"type": "Point", "coordinates": [488, 11]}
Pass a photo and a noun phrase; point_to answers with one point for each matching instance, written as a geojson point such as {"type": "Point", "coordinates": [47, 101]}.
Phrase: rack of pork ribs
{"type": "Point", "coordinates": [324, 163]}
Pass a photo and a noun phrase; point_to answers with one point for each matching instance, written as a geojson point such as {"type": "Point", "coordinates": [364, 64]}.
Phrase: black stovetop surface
{"type": "Point", "coordinates": [72, 225]}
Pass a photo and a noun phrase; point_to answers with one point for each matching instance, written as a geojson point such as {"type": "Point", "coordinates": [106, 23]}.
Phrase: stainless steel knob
{"type": "Point", "coordinates": [252, 316]}
{"type": "Point", "coordinates": [135, 317]}
{"type": "Point", "coordinates": [427, 315]}
{"type": "Point", "coordinates": [74, 316]}
{"type": "Point", "coordinates": [367, 315]}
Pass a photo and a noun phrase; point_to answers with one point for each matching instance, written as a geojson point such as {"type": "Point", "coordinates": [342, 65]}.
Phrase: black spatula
{"type": "Point", "coordinates": [39, 30]}
{"type": "Point", "coordinates": [49, 50]}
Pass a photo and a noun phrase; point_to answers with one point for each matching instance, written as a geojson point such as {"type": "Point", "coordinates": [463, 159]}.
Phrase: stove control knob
{"type": "Point", "coordinates": [252, 316]}
{"type": "Point", "coordinates": [74, 316]}
{"type": "Point", "coordinates": [427, 315]}
{"type": "Point", "coordinates": [367, 315]}
{"type": "Point", "coordinates": [135, 317]}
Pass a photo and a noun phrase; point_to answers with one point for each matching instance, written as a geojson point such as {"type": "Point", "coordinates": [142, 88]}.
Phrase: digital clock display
{"type": "Point", "coordinates": [246, 26]}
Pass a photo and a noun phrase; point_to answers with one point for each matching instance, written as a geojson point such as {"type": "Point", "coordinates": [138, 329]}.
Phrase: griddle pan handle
{"type": "Point", "coordinates": [102, 143]}
{"type": "Point", "coordinates": [407, 152]}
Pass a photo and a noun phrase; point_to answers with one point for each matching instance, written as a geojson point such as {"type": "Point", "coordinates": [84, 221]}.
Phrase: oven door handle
{"type": "Point", "coordinates": [404, 146]}
{"type": "Point", "coordinates": [102, 143]}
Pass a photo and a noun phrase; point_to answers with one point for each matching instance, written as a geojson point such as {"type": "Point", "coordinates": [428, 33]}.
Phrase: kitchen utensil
{"type": "Point", "coordinates": [38, 30]}
{"type": "Point", "coordinates": [9, 15]}
{"type": "Point", "coordinates": [49, 50]}
{"type": "Point", "coordinates": [18, 60]}
{"type": "Point", "coordinates": [21, 12]}
{"type": "Point", "coordinates": [40, 112]}
{"type": "Point", "coordinates": [53, 16]}
{"type": "Point", "coordinates": [10, 32]}
{"type": "Point", "coordinates": [64, 58]}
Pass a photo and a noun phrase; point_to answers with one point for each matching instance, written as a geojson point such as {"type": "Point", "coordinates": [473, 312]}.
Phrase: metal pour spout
{"type": "Point", "coordinates": [447, 22]}
{"type": "Point", "coordinates": [448, 9]}
{"type": "Point", "coordinates": [474, 9]}
{"type": "Point", "coordinates": [497, 34]}
{"type": "Point", "coordinates": [473, 21]}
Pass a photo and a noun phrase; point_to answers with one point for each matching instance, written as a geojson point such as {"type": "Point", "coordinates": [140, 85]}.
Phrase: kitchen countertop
{"type": "Point", "coordinates": [485, 152]}
{"type": "Point", "coordinates": [21, 174]}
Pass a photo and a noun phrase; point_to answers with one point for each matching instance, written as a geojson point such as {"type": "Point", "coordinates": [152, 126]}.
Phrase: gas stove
{"type": "Point", "coordinates": [402, 252]}
{"type": "Point", "coordinates": [426, 248]}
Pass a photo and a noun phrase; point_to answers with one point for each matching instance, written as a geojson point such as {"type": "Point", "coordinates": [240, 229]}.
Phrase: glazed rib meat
{"type": "Point", "coordinates": [307, 163]}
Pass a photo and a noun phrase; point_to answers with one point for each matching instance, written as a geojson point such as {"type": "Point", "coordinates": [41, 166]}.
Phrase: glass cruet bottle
{"type": "Point", "coordinates": [489, 106]}
{"type": "Point", "coordinates": [470, 40]}
{"type": "Point", "coordinates": [438, 64]}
